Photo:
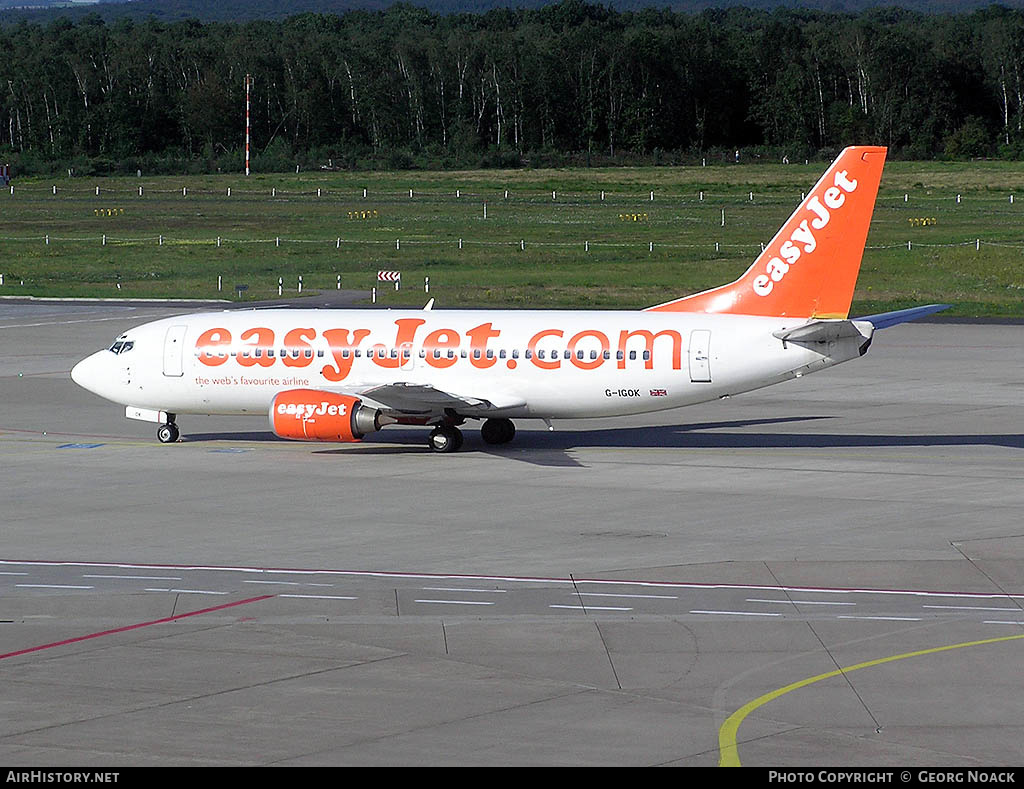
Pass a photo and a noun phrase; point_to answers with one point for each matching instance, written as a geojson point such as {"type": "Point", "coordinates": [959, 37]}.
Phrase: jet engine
{"type": "Point", "coordinates": [315, 415]}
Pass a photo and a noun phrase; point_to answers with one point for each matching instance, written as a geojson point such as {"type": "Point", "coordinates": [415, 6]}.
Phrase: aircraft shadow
{"type": "Point", "coordinates": [546, 448]}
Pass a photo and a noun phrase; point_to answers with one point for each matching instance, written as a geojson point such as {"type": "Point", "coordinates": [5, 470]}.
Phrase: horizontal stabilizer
{"type": "Point", "coordinates": [823, 331]}
{"type": "Point", "coordinates": [884, 320]}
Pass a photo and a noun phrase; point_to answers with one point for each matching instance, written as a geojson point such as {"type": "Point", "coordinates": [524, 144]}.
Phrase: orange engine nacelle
{"type": "Point", "coordinates": [314, 415]}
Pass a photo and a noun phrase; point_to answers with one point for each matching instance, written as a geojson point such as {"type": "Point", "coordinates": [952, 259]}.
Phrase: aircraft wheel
{"type": "Point", "coordinates": [445, 439]}
{"type": "Point", "coordinates": [167, 434]}
{"type": "Point", "coordinates": [497, 431]}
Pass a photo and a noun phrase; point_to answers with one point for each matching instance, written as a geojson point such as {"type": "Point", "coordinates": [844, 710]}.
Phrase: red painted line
{"type": "Point", "coordinates": [126, 628]}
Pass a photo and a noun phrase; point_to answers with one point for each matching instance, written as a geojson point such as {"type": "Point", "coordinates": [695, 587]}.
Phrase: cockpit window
{"type": "Point", "coordinates": [121, 346]}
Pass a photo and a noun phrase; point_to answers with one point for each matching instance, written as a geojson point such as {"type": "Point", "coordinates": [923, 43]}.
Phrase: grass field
{"type": "Point", "coordinates": [571, 249]}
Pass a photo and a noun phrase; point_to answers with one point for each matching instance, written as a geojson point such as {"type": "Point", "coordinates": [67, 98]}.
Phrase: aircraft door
{"type": "Point", "coordinates": [174, 353]}
{"type": "Point", "coordinates": [700, 356]}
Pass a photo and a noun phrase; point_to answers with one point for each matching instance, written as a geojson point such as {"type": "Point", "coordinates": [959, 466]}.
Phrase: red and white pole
{"type": "Point", "coordinates": [248, 84]}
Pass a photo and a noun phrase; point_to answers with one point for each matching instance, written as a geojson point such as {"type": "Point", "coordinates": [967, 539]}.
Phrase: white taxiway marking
{"type": "Point", "coordinates": [1001, 622]}
{"type": "Point", "coordinates": [319, 596]}
{"type": "Point", "coordinates": [591, 607]}
{"type": "Point", "coordinates": [797, 602]}
{"type": "Point", "coordinates": [456, 602]}
{"type": "Point", "coordinates": [637, 596]}
{"type": "Point", "coordinates": [138, 577]}
{"type": "Point", "coordinates": [52, 586]}
{"type": "Point", "coordinates": [462, 589]}
{"type": "Point", "coordinates": [13, 573]}
{"type": "Point", "coordinates": [186, 591]}
{"type": "Point", "coordinates": [970, 608]}
{"type": "Point", "coordinates": [738, 613]}
{"type": "Point", "coordinates": [275, 583]}
{"type": "Point", "coordinates": [884, 618]}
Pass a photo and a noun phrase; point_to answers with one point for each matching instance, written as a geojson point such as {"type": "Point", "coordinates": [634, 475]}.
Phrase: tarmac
{"type": "Point", "coordinates": [825, 572]}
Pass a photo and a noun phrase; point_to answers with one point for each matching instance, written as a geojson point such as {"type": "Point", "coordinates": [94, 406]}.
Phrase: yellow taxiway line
{"type": "Point", "coordinates": [728, 752]}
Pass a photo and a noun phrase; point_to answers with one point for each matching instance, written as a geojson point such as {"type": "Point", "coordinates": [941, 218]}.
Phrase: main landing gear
{"type": "Point", "coordinates": [168, 433]}
{"type": "Point", "coordinates": [497, 431]}
{"type": "Point", "coordinates": [446, 437]}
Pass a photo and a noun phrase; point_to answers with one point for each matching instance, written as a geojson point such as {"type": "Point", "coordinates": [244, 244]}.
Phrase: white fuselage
{"type": "Point", "coordinates": [547, 364]}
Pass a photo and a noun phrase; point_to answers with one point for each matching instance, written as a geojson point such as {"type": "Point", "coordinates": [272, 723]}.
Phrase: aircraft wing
{"type": "Point", "coordinates": [409, 399]}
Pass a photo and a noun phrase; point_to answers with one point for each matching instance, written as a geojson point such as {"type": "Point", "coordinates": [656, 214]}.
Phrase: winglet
{"type": "Point", "coordinates": [809, 269]}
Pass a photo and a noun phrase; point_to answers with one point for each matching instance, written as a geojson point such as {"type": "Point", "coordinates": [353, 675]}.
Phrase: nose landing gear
{"type": "Point", "coordinates": [168, 433]}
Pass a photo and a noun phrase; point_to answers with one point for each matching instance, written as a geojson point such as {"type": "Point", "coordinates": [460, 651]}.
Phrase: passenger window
{"type": "Point", "coordinates": [451, 354]}
{"type": "Point", "coordinates": [490, 354]}
{"type": "Point", "coordinates": [515, 353]}
{"type": "Point", "coordinates": [606, 355]}
{"type": "Point", "coordinates": [529, 354]}
{"type": "Point", "coordinates": [632, 354]}
{"type": "Point", "coordinates": [308, 353]}
{"type": "Point", "coordinates": [566, 354]}
{"type": "Point", "coordinates": [540, 354]}
{"type": "Point", "coordinates": [501, 354]}
{"type": "Point", "coordinates": [619, 355]}
{"type": "Point", "coordinates": [647, 356]}
{"type": "Point", "coordinates": [437, 354]}
{"type": "Point", "coordinates": [476, 354]}
{"type": "Point", "coordinates": [593, 354]}
{"type": "Point", "coordinates": [344, 353]}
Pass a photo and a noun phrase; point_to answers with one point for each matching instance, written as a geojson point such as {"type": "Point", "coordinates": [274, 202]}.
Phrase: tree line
{"type": "Point", "coordinates": [567, 83]}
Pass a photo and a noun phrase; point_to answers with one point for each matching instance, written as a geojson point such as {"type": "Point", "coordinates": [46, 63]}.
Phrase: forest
{"type": "Point", "coordinates": [566, 84]}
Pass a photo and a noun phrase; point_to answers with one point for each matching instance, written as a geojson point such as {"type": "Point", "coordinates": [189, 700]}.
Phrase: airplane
{"type": "Point", "coordinates": [339, 375]}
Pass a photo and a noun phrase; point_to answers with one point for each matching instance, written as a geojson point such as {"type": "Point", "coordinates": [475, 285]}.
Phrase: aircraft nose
{"type": "Point", "coordinates": [88, 373]}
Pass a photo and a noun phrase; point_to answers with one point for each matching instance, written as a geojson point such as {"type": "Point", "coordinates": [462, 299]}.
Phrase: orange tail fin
{"type": "Point", "coordinates": [810, 268]}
